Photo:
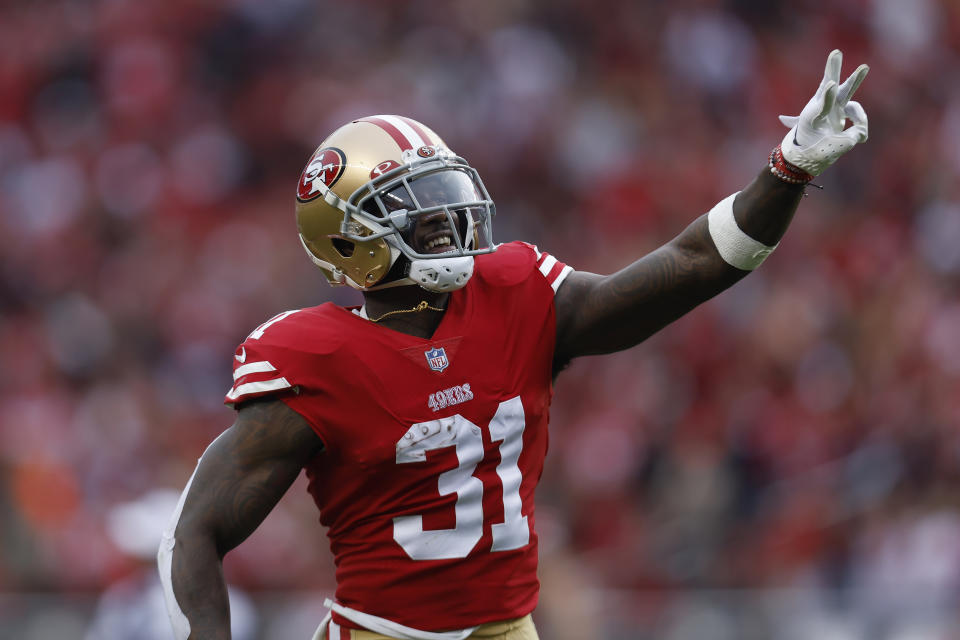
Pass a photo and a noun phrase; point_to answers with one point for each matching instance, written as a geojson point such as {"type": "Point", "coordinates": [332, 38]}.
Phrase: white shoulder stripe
{"type": "Point", "coordinates": [547, 265]}
{"type": "Point", "coordinates": [258, 387]}
{"type": "Point", "coordinates": [408, 132]}
{"type": "Point", "coordinates": [253, 367]}
{"type": "Point", "coordinates": [567, 269]}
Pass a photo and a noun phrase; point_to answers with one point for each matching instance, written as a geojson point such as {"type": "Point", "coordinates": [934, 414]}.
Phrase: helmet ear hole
{"type": "Point", "coordinates": [344, 247]}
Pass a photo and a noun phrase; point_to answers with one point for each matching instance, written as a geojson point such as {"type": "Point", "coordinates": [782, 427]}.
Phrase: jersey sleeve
{"type": "Point", "coordinates": [553, 271]}
{"type": "Point", "coordinates": [267, 362]}
{"type": "Point", "coordinates": [258, 371]}
{"type": "Point", "coordinates": [265, 370]}
{"type": "Point", "coordinates": [516, 262]}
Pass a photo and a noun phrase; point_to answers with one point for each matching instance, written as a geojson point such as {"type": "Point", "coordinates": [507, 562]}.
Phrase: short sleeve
{"type": "Point", "coordinates": [516, 262]}
{"type": "Point", "coordinates": [256, 373]}
{"type": "Point", "coordinates": [554, 271]}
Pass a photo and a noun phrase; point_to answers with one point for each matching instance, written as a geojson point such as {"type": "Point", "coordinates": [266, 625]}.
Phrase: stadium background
{"type": "Point", "coordinates": [783, 463]}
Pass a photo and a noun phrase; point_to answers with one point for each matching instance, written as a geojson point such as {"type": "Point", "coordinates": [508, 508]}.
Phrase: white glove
{"type": "Point", "coordinates": [817, 136]}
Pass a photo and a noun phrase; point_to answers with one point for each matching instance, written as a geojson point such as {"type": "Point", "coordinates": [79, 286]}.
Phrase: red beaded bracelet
{"type": "Point", "coordinates": [786, 171]}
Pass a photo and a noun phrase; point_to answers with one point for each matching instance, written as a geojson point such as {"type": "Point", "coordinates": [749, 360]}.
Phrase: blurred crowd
{"type": "Point", "coordinates": [783, 462]}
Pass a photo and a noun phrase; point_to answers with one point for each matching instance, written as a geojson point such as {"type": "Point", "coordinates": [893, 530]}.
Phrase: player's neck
{"type": "Point", "coordinates": [393, 308]}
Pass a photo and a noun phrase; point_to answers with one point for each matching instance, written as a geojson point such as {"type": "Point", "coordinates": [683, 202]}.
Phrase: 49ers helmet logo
{"type": "Point", "coordinates": [325, 168]}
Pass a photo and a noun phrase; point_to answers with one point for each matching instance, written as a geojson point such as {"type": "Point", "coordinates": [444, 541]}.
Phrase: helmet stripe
{"type": "Point", "coordinates": [402, 133]}
{"type": "Point", "coordinates": [416, 126]}
{"type": "Point", "coordinates": [413, 135]}
{"type": "Point", "coordinates": [398, 137]}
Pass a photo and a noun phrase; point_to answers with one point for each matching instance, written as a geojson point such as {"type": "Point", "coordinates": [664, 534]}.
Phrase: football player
{"type": "Point", "coordinates": [420, 417]}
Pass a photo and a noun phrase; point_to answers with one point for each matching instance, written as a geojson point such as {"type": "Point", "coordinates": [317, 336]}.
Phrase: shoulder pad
{"type": "Point", "coordinates": [312, 330]}
{"type": "Point", "coordinates": [510, 264]}
{"type": "Point", "coordinates": [283, 352]}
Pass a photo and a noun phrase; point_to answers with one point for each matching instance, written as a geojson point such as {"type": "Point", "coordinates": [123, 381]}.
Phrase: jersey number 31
{"type": "Point", "coordinates": [506, 427]}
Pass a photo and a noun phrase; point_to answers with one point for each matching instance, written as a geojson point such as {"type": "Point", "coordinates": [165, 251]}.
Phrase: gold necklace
{"type": "Point", "coordinates": [421, 306]}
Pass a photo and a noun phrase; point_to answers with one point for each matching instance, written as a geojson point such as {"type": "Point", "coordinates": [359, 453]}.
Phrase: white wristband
{"type": "Point", "coordinates": [735, 247]}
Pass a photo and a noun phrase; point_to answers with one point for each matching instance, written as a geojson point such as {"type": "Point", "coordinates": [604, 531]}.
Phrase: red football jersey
{"type": "Point", "coordinates": [432, 448]}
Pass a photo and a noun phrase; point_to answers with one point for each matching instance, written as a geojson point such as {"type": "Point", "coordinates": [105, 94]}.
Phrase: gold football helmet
{"type": "Point", "coordinates": [383, 202]}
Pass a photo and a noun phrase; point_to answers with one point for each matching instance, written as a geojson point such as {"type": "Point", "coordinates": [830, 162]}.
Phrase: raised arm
{"type": "Point", "coordinates": [238, 480]}
{"type": "Point", "coordinates": [600, 314]}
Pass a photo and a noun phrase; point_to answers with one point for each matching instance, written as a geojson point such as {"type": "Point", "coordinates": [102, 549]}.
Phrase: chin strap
{"type": "Point", "coordinates": [441, 274]}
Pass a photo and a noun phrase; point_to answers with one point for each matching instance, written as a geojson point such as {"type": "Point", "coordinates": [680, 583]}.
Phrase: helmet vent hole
{"type": "Point", "coordinates": [344, 247]}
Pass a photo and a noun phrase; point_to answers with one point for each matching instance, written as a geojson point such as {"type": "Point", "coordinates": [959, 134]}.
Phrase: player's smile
{"type": "Point", "coordinates": [433, 234]}
{"type": "Point", "coordinates": [438, 242]}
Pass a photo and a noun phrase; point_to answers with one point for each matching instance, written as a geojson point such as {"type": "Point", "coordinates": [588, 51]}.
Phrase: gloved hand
{"type": "Point", "coordinates": [817, 136]}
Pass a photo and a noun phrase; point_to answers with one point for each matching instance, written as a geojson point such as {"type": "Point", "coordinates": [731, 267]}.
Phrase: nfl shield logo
{"type": "Point", "coordinates": [437, 359]}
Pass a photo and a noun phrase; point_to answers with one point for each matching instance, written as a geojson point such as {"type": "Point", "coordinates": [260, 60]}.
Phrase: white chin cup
{"type": "Point", "coordinates": [441, 274]}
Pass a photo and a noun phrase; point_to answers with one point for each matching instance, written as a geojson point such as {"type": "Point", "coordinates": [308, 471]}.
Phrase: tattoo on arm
{"type": "Point", "coordinates": [239, 479]}
{"type": "Point", "coordinates": [252, 470]}
{"type": "Point", "coordinates": [601, 314]}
